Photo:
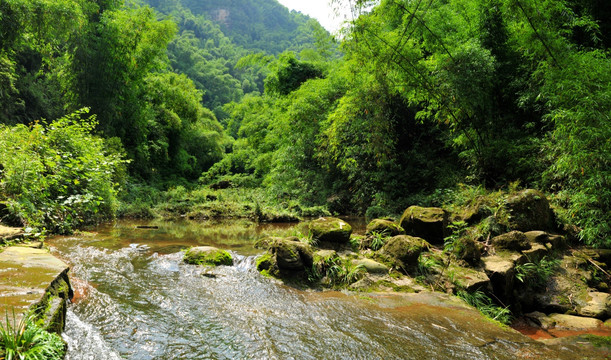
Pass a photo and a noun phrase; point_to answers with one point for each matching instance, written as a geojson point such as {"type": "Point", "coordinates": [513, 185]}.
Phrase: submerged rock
{"type": "Point", "coordinates": [207, 255]}
{"type": "Point", "coordinates": [427, 223]}
{"type": "Point", "coordinates": [385, 227]}
{"type": "Point", "coordinates": [404, 250]}
{"type": "Point", "coordinates": [329, 229]}
{"type": "Point", "coordinates": [530, 210]}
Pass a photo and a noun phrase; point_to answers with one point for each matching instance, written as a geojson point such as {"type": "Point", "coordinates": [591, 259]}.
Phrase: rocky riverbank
{"type": "Point", "coordinates": [513, 260]}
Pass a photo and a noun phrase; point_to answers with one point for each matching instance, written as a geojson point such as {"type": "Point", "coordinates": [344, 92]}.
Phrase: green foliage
{"type": "Point", "coordinates": [451, 244]}
{"type": "Point", "coordinates": [26, 341]}
{"type": "Point", "coordinates": [288, 73]}
{"type": "Point", "coordinates": [535, 274]}
{"type": "Point", "coordinates": [377, 240]}
{"type": "Point", "coordinates": [484, 304]}
{"type": "Point", "coordinates": [59, 176]}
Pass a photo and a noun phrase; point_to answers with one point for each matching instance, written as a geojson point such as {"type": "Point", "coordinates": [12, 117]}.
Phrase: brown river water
{"type": "Point", "coordinates": [135, 299]}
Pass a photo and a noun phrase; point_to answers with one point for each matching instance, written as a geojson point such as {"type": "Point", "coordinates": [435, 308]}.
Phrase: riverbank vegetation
{"type": "Point", "coordinates": [206, 110]}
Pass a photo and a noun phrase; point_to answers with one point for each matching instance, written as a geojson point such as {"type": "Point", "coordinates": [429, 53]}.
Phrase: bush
{"type": "Point", "coordinates": [58, 176]}
{"type": "Point", "coordinates": [26, 341]}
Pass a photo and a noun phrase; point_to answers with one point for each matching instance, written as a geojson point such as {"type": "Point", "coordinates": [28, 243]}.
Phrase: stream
{"type": "Point", "coordinates": [135, 299]}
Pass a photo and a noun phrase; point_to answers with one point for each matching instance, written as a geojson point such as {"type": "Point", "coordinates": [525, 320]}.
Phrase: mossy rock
{"type": "Point", "coordinates": [514, 240]}
{"type": "Point", "coordinates": [385, 227]}
{"type": "Point", "coordinates": [404, 250]}
{"type": "Point", "coordinates": [427, 223]}
{"type": "Point", "coordinates": [529, 210]}
{"type": "Point", "coordinates": [292, 254]}
{"type": "Point", "coordinates": [207, 255]}
{"type": "Point", "coordinates": [469, 250]}
{"type": "Point", "coordinates": [330, 229]}
{"type": "Point", "coordinates": [265, 262]}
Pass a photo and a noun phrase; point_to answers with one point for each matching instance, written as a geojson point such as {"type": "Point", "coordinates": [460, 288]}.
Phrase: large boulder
{"type": "Point", "coordinates": [598, 305]}
{"type": "Point", "coordinates": [291, 254]}
{"type": "Point", "coordinates": [500, 268]}
{"type": "Point", "coordinates": [207, 255]}
{"type": "Point", "coordinates": [530, 210]}
{"type": "Point", "coordinates": [514, 240]}
{"type": "Point", "coordinates": [427, 223]}
{"type": "Point", "coordinates": [404, 250]}
{"type": "Point", "coordinates": [330, 229]}
{"type": "Point", "coordinates": [385, 227]}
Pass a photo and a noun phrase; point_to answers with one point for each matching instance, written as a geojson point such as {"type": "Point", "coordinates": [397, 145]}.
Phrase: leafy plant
{"type": "Point", "coordinates": [377, 240]}
{"type": "Point", "coordinates": [535, 274]}
{"type": "Point", "coordinates": [484, 304]}
{"type": "Point", "coordinates": [24, 340]}
{"type": "Point", "coordinates": [451, 243]}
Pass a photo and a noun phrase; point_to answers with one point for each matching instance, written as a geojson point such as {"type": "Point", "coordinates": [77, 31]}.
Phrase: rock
{"type": "Point", "coordinates": [536, 252]}
{"type": "Point", "coordinates": [542, 320]}
{"type": "Point", "coordinates": [363, 284]}
{"type": "Point", "coordinates": [265, 262]}
{"type": "Point", "coordinates": [405, 250]}
{"type": "Point", "coordinates": [552, 241]}
{"type": "Point", "coordinates": [607, 323]}
{"type": "Point", "coordinates": [470, 279]}
{"type": "Point", "coordinates": [427, 223]}
{"type": "Point", "coordinates": [500, 269]}
{"type": "Point", "coordinates": [530, 210]}
{"type": "Point", "coordinates": [514, 240]}
{"type": "Point", "coordinates": [371, 266]}
{"type": "Point", "coordinates": [34, 280]}
{"type": "Point", "coordinates": [468, 250]}
{"type": "Point", "coordinates": [207, 255]}
{"type": "Point", "coordinates": [598, 305]}
{"type": "Point", "coordinates": [385, 227]}
{"type": "Point", "coordinates": [570, 322]}
{"type": "Point", "coordinates": [329, 229]}
{"type": "Point", "coordinates": [473, 214]}
{"type": "Point", "coordinates": [292, 255]}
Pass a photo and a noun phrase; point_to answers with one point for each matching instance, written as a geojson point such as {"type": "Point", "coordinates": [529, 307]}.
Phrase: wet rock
{"type": "Point", "coordinates": [34, 280]}
{"type": "Point", "coordinates": [530, 210]}
{"type": "Point", "coordinates": [385, 227]}
{"type": "Point", "coordinates": [540, 319]}
{"type": "Point", "coordinates": [570, 322]}
{"type": "Point", "coordinates": [292, 255]}
{"type": "Point", "coordinates": [514, 240]}
{"type": "Point", "coordinates": [371, 266]}
{"type": "Point", "coordinates": [404, 250]}
{"type": "Point", "coordinates": [607, 323]}
{"type": "Point", "coordinates": [598, 305]}
{"type": "Point", "coordinates": [265, 262]}
{"type": "Point", "coordinates": [427, 223]}
{"type": "Point", "coordinates": [329, 229]}
{"type": "Point", "coordinates": [363, 284]}
{"type": "Point", "coordinates": [207, 255]}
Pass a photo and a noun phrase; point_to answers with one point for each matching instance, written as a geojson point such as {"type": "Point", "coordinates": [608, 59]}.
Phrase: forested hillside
{"type": "Point", "coordinates": [422, 100]}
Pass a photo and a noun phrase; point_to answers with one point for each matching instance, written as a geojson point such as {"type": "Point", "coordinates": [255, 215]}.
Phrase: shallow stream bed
{"type": "Point", "coordinates": [135, 299]}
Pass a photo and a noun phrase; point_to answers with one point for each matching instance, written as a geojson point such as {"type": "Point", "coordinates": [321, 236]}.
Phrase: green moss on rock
{"type": "Point", "coordinates": [329, 229]}
{"type": "Point", "coordinates": [207, 255]}
{"type": "Point", "coordinates": [385, 227]}
{"type": "Point", "coordinates": [427, 223]}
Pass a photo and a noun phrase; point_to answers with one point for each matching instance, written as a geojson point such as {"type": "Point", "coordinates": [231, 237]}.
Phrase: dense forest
{"type": "Point", "coordinates": [420, 102]}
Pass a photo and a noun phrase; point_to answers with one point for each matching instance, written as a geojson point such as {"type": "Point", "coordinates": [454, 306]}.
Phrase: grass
{"type": "Point", "coordinates": [535, 274]}
{"type": "Point", "coordinates": [24, 340]}
{"type": "Point", "coordinates": [486, 307]}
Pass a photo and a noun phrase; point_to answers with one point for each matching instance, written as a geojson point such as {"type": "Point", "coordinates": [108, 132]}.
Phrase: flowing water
{"type": "Point", "coordinates": [135, 299]}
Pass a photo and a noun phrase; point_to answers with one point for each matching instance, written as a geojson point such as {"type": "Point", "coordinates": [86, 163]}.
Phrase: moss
{"type": "Point", "coordinates": [264, 262]}
{"type": "Point", "coordinates": [598, 341]}
{"type": "Point", "coordinates": [208, 256]}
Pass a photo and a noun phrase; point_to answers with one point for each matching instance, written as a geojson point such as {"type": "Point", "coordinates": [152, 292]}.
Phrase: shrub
{"type": "Point", "coordinates": [58, 175]}
{"type": "Point", "coordinates": [26, 341]}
